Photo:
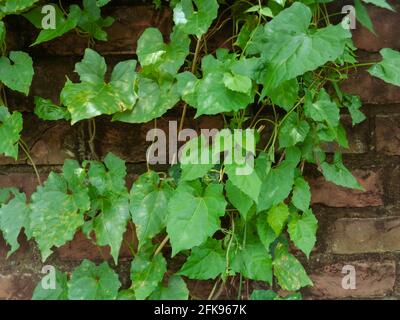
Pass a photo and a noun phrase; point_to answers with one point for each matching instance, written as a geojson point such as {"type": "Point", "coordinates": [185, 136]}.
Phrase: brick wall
{"type": "Point", "coordinates": [361, 229]}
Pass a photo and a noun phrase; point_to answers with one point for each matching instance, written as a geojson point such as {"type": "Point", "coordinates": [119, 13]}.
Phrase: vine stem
{"type": "Point", "coordinates": [183, 116]}
{"type": "Point", "coordinates": [194, 64]}
{"type": "Point", "coordinates": [21, 144]}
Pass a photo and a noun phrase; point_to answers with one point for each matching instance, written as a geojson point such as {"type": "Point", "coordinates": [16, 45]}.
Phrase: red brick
{"type": "Point", "coordinates": [373, 279]}
{"type": "Point", "coordinates": [387, 132]}
{"type": "Point", "coordinates": [16, 286]}
{"type": "Point", "coordinates": [329, 194]}
{"type": "Point", "coordinates": [385, 23]}
{"type": "Point", "coordinates": [370, 89]}
{"type": "Point", "coordinates": [130, 22]}
{"type": "Point", "coordinates": [355, 235]}
{"type": "Point", "coordinates": [50, 142]}
{"type": "Point", "coordinates": [358, 137]}
{"type": "Point", "coordinates": [82, 248]}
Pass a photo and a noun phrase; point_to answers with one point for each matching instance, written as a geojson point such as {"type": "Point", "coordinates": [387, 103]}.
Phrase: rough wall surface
{"type": "Point", "coordinates": [361, 229]}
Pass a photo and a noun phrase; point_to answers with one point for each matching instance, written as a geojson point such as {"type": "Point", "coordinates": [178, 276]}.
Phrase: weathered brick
{"type": "Point", "coordinates": [387, 134]}
{"type": "Point", "coordinates": [358, 137]}
{"type": "Point", "coordinates": [370, 89]}
{"type": "Point", "coordinates": [373, 279]}
{"type": "Point", "coordinates": [385, 23]}
{"type": "Point", "coordinates": [329, 194]}
{"type": "Point", "coordinates": [130, 22]}
{"type": "Point", "coordinates": [82, 248]}
{"type": "Point", "coordinates": [356, 235]}
{"type": "Point", "coordinates": [16, 286]}
{"type": "Point", "coordinates": [50, 142]}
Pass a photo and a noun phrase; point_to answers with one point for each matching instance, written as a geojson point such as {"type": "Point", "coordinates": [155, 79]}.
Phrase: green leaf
{"type": "Point", "coordinates": [92, 96]}
{"type": "Point", "coordinates": [205, 262]}
{"type": "Point", "coordinates": [10, 131]}
{"type": "Point", "coordinates": [155, 56]}
{"type": "Point", "coordinates": [249, 184]}
{"type": "Point", "coordinates": [264, 230]}
{"type": "Point", "coordinates": [302, 230]}
{"type": "Point", "coordinates": [285, 95]}
{"type": "Point", "coordinates": [45, 109]}
{"type": "Point", "coordinates": [146, 274]}
{"type": "Point", "coordinates": [353, 104]}
{"type": "Point", "coordinates": [301, 194]}
{"type": "Point", "coordinates": [16, 72]}
{"type": "Point", "coordinates": [276, 186]}
{"type": "Point", "coordinates": [153, 100]}
{"type": "Point", "coordinates": [195, 22]}
{"type": "Point", "coordinates": [237, 82]}
{"type": "Point", "coordinates": [263, 295]}
{"type": "Point", "coordinates": [148, 205]}
{"type": "Point", "coordinates": [288, 270]}
{"type": "Point", "coordinates": [380, 3]}
{"type": "Point", "coordinates": [290, 49]}
{"type": "Point", "coordinates": [195, 159]}
{"type": "Point", "coordinates": [191, 207]}
{"type": "Point", "coordinates": [254, 262]}
{"type": "Point", "coordinates": [13, 217]}
{"type": "Point", "coordinates": [389, 68]}
{"type": "Point", "coordinates": [323, 109]}
{"type": "Point", "coordinates": [60, 292]}
{"type": "Point", "coordinates": [176, 290]}
{"type": "Point", "coordinates": [91, 20]}
{"type": "Point", "coordinates": [338, 174]}
{"type": "Point", "coordinates": [15, 6]}
{"type": "Point", "coordinates": [58, 208]}
{"type": "Point", "coordinates": [110, 224]}
{"type": "Point", "coordinates": [239, 199]}
{"type": "Point", "coordinates": [91, 282]}
{"type": "Point", "coordinates": [62, 24]}
{"type": "Point", "coordinates": [277, 217]}
{"type": "Point", "coordinates": [363, 16]}
{"type": "Point", "coordinates": [293, 131]}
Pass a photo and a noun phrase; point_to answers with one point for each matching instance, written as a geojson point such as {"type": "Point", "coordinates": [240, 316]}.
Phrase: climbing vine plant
{"type": "Point", "coordinates": [278, 74]}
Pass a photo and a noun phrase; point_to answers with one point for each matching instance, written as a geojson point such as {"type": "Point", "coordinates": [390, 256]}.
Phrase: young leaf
{"type": "Point", "coordinates": [302, 230]}
{"type": "Point", "coordinates": [10, 130]}
{"type": "Point", "coordinates": [277, 217]}
{"type": "Point", "coordinates": [353, 104]}
{"type": "Point", "coordinates": [195, 22]}
{"type": "Point", "coordinates": [389, 68]}
{"type": "Point", "coordinates": [301, 194]}
{"type": "Point", "coordinates": [338, 174]}
{"type": "Point", "coordinates": [16, 72]}
{"type": "Point", "coordinates": [205, 262]}
{"type": "Point", "coordinates": [149, 204]}
{"type": "Point", "coordinates": [60, 292]}
{"type": "Point", "coordinates": [176, 290]}
{"type": "Point", "coordinates": [193, 215]}
{"type": "Point", "coordinates": [288, 270]}
{"type": "Point", "coordinates": [13, 217]}
{"type": "Point", "coordinates": [91, 282]}
{"type": "Point", "coordinates": [146, 274]}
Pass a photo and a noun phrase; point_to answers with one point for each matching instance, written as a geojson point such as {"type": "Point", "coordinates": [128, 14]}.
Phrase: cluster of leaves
{"type": "Point", "coordinates": [282, 71]}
